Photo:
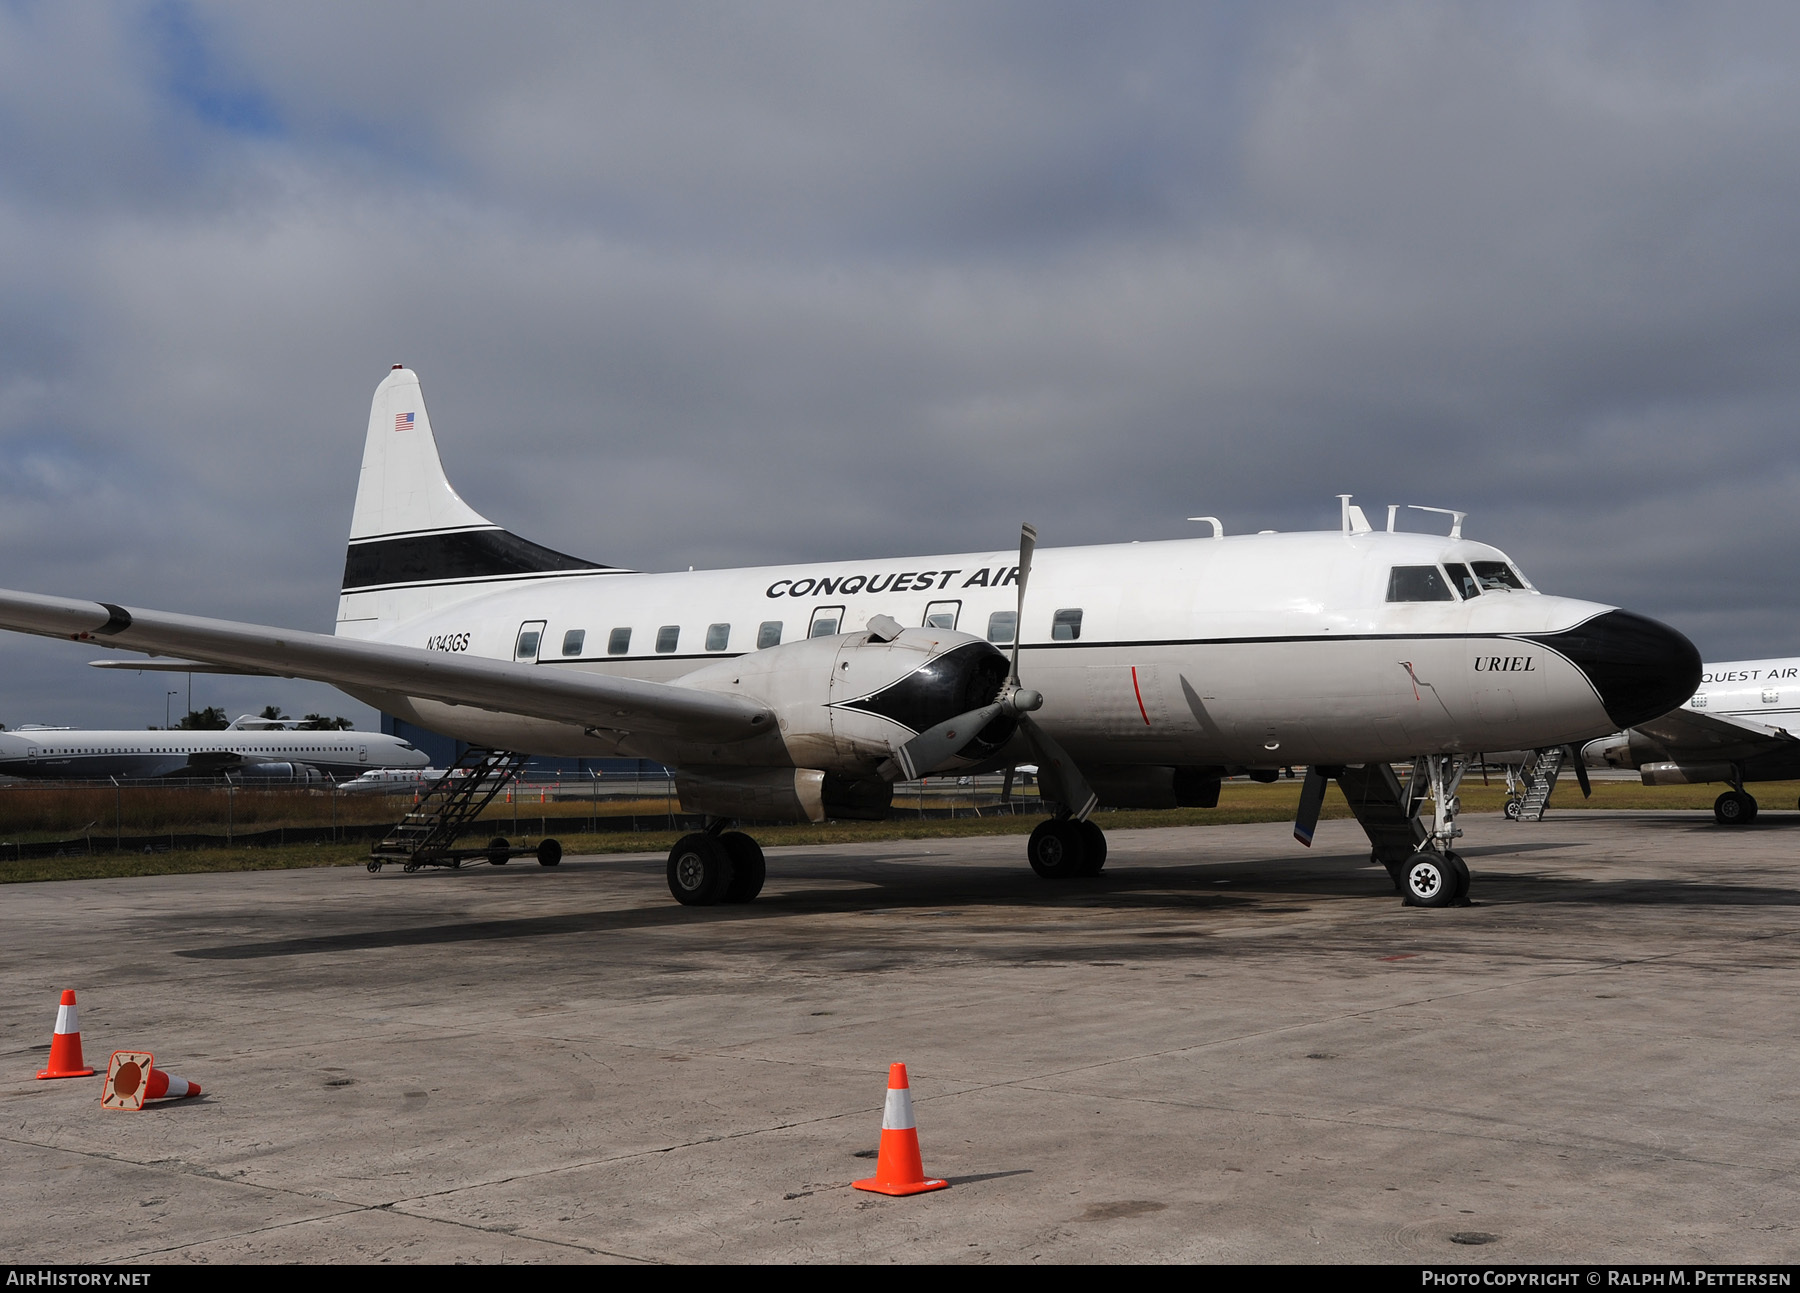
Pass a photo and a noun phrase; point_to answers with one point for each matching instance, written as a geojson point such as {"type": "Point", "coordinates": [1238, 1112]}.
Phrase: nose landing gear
{"type": "Point", "coordinates": [1435, 876]}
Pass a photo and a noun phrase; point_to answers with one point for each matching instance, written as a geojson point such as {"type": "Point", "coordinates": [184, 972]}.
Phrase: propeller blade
{"type": "Point", "coordinates": [936, 746]}
{"type": "Point", "coordinates": [1067, 785]}
{"type": "Point", "coordinates": [1581, 777]}
{"type": "Point", "coordinates": [1027, 545]}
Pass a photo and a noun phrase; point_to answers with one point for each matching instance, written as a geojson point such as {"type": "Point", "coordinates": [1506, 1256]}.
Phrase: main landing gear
{"type": "Point", "coordinates": [1734, 808]}
{"type": "Point", "coordinates": [715, 865]}
{"type": "Point", "coordinates": [1435, 876]}
{"type": "Point", "coordinates": [1063, 848]}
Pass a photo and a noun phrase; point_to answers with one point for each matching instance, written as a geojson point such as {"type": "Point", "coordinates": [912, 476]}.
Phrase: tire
{"type": "Point", "coordinates": [1093, 846]}
{"type": "Point", "coordinates": [1429, 881]}
{"type": "Point", "coordinates": [1057, 849]}
{"type": "Point", "coordinates": [747, 867]}
{"type": "Point", "coordinates": [549, 852]}
{"type": "Point", "coordinates": [1734, 808]}
{"type": "Point", "coordinates": [699, 870]}
{"type": "Point", "coordinates": [499, 852]}
{"type": "Point", "coordinates": [1513, 808]}
{"type": "Point", "coordinates": [1461, 897]}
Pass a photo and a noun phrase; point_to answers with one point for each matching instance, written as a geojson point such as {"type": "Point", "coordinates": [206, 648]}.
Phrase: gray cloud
{"type": "Point", "coordinates": [712, 285]}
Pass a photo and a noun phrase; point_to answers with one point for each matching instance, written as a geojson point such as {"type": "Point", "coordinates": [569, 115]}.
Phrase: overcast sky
{"type": "Point", "coordinates": [739, 283]}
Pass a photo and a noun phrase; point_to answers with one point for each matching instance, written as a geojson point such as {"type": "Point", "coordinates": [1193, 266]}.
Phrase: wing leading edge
{"type": "Point", "coordinates": [562, 696]}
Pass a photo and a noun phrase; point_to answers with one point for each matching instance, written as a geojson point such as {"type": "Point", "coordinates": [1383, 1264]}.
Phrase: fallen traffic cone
{"type": "Point", "coordinates": [132, 1078]}
{"type": "Point", "coordinates": [898, 1169]}
{"type": "Point", "coordinates": [65, 1043]}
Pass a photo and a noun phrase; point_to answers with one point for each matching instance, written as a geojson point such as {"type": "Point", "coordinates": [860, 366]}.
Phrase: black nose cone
{"type": "Point", "coordinates": [1641, 669]}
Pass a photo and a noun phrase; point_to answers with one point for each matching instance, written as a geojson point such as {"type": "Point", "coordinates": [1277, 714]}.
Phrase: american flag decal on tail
{"type": "Point", "coordinates": [403, 421]}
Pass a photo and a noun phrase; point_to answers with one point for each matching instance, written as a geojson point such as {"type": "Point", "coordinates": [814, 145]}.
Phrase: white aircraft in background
{"type": "Point", "coordinates": [1734, 729]}
{"type": "Point", "coordinates": [250, 748]}
{"type": "Point", "coordinates": [806, 690]}
{"type": "Point", "coordinates": [389, 781]}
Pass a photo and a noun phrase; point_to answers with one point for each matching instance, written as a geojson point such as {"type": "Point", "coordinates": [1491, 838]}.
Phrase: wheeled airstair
{"type": "Point", "coordinates": [1538, 779]}
{"type": "Point", "coordinates": [427, 834]}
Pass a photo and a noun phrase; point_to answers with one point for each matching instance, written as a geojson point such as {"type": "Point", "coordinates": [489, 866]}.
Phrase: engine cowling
{"type": "Point", "coordinates": [844, 703]}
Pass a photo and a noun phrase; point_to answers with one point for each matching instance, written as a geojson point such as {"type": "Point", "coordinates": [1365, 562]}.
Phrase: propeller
{"type": "Point", "coordinates": [935, 746]}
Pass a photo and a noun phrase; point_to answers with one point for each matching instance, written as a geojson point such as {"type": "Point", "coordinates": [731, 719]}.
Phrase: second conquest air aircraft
{"type": "Point", "coordinates": [1133, 674]}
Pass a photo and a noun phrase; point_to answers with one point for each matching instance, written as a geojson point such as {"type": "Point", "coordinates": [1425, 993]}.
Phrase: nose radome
{"type": "Point", "coordinates": [1641, 669]}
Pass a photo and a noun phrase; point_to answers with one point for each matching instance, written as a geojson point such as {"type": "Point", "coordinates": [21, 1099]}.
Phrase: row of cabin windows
{"type": "Point", "coordinates": [1429, 583]}
{"type": "Point", "coordinates": [1065, 626]}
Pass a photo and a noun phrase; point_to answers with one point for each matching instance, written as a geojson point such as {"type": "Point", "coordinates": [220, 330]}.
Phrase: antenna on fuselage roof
{"type": "Point", "coordinates": [1456, 518]}
{"type": "Point", "coordinates": [1354, 520]}
{"type": "Point", "coordinates": [1217, 525]}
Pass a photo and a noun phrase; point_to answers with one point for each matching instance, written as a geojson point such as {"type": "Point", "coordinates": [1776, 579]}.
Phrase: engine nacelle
{"type": "Point", "coordinates": [782, 794]}
{"type": "Point", "coordinates": [844, 703]}
{"type": "Point", "coordinates": [295, 773]}
{"type": "Point", "coordinates": [1683, 774]}
{"type": "Point", "coordinates": [1611, 752]}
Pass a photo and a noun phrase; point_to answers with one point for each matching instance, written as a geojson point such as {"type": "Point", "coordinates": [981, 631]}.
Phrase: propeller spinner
{"type": "Point", "coordinates": [936, 746]}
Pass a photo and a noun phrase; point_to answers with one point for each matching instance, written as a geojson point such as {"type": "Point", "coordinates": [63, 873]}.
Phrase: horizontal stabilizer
{"type": "Point", "coordinates": [181, 666]}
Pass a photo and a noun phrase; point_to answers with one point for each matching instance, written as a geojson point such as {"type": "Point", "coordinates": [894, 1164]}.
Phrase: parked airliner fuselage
{"type": "Point", "coordinates": [1253, 650]}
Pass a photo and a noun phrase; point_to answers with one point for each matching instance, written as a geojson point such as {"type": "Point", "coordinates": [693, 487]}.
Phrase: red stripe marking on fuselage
{"type": "Point", "coordinates": [1139, 695]}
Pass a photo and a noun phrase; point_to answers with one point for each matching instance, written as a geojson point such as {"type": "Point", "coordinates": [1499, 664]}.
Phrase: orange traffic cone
{"type": "Point", "coordinates": [65, 1043]}
{"type": "Point", "coordinates": [898, 1169]}
{"type": "Point", "coordinates": [132, 1078]}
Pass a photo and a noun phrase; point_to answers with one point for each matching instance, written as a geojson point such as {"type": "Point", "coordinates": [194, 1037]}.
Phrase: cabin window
{"type": "Point", "coordinates": [1497, 575]}
{"type": "Point", "coordinates": [1461, 580]}
{"type": "Point", "coordinates": [573, 641]}
{"type": "Point", "coordinates": [768, 635]}
{"type": "Point", "coordinates": [1065, 626]}
{"type": "Point", "coordinates": [668, 637]}
{"type": "Point", "coordinates": [717, 635]}
{"type": "Point", "coordinates": [618, 642]}
{"type": "Point", "coordinates": [529, 637]}
{"type": "Point", "coordinates": [1002, 625]}
{"type": "Point", "coordinates": [1418, 584]}
{"type": "Point", "coordinates": [825, 621]}
{"type": "Point", "coordinates": [942, 615]}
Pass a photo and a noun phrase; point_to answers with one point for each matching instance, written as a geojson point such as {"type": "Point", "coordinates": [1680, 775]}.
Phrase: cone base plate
{"type": "Point", "coordinates": [888, 1187]}
{"type": "Point", "coordinates": [71, 1073]}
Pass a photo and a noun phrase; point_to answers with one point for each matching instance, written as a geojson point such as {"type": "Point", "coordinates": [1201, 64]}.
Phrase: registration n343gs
{"type": "Point", "coordinates": [1135, 674]}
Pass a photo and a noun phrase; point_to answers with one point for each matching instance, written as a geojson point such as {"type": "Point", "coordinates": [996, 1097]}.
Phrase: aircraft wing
{"type": "Point", "coordinates": [1687, 734]}
{"type": "Point", "coordinates": [560, 695]}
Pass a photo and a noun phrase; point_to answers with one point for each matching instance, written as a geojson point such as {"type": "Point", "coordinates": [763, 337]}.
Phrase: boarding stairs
{"type": "Point", "coordinates": [1538, 776]}
{"type": "Point", "coordinates": [427, 834]}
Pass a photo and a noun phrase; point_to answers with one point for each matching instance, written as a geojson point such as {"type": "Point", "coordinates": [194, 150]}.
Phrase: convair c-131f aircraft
{"type": "Point", "coordinates": [1132, 674]}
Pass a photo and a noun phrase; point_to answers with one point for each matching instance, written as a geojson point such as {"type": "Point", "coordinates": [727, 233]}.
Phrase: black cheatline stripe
{"type": "Point", "coordinates": [456, 555]}
{"type": "Point", "coordinates": [1516, 636]}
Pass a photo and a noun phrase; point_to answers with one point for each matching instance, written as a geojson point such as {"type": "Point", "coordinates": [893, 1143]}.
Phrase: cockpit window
{"type": "Point", "coordinates": [1418, 584]}
{"type": "Point", "coordinates": [1461, 580]}
{"type": "Point", "coordinates": [1498, 575]}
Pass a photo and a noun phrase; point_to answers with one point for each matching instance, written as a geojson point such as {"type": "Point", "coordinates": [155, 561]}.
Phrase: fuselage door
{"type": "Point", "coordinates": [531, 636]}
{"type": "Point", "coordinates": [826, 620]}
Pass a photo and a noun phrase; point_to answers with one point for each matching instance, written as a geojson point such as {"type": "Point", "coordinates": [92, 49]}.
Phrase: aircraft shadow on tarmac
{"type": "Point", "coordinates": [915, 888]}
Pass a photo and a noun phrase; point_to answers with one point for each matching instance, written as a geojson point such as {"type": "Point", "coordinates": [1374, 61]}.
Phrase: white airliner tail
{"type": "Point", "coordinates": [415, 546]}
{"type": "Point", "coordinates": [403, 489]}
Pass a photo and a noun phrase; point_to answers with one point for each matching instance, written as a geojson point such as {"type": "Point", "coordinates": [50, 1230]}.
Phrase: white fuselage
{"type": "Point", "coordinates": [1253, 650]}
{"type": "Point", "coordinates": [1767, 691]}
{"type": "Point", "coordinates": [64, 754]}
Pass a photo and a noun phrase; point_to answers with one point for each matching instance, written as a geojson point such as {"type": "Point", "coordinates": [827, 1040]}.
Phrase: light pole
{"type": "Point", "coordinates": [167, 697]}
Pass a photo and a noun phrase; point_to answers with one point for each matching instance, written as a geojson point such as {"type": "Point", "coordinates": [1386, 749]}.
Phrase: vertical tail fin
{"type": "Point", "coordinates": [414, 544]}
{"type": "Point", "coordinates": [403, 489]}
